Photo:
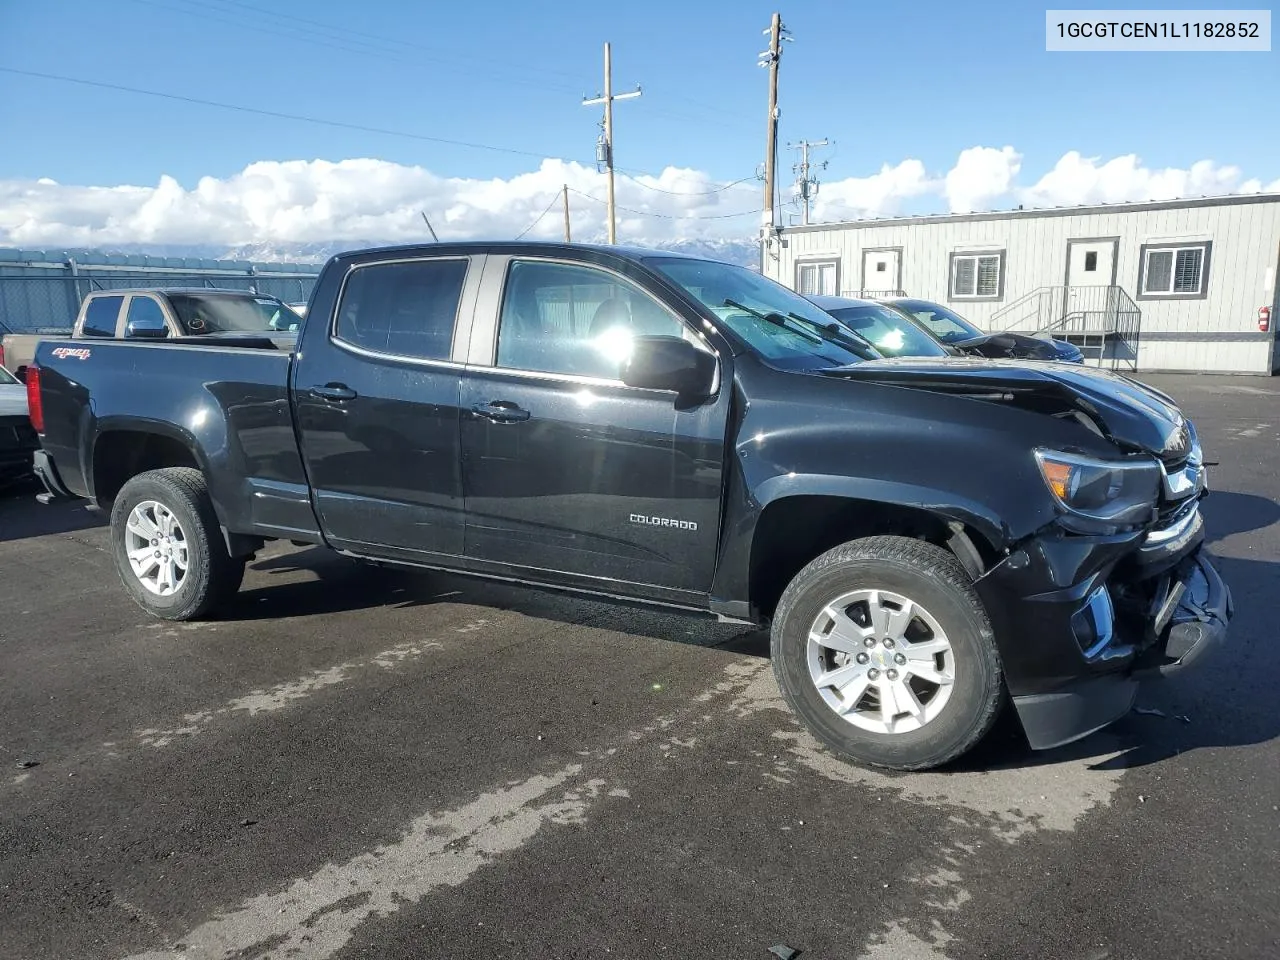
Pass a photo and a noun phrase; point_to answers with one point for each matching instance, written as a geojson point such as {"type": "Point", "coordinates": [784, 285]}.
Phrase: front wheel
{"type": "Point", "coordinates": [885, 652]}
{"type": "Point", "coordinates": [168, 547]}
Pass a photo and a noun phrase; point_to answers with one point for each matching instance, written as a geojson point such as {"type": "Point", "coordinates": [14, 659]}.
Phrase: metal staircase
{"type": "Point", "coordinates": [1103, 321]}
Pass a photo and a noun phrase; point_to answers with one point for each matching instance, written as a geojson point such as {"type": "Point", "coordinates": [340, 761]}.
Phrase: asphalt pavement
{"type": "Point", "coordinates": [360, 762]}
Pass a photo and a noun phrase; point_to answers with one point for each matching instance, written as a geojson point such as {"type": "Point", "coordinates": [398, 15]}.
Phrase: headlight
{"type": "Point", "coordinates": [1108, 490]}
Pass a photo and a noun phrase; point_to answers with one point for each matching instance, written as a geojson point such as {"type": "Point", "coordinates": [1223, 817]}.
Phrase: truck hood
{"type": "Point", "coordinates": [1130, 414]}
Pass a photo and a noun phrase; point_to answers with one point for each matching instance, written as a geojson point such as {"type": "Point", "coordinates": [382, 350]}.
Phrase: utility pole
{"type": "Point", "coordinates": [770, 59]}
{"type": "Point", "coordinates": [808, 185]}
{"type": "Point", "coordinates": [607, 142]}
{"type": "Point", "coordinates": [568, 238]}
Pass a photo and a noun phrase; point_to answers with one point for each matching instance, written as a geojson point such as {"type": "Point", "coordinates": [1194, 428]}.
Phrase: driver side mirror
{"type": "Point", "coordinates": [670, 363]}
{"type": "Point", "coordinates": [137, 331]}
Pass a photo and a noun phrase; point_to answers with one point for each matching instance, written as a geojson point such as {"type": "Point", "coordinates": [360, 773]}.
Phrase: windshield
{"type": "Point", "coordinates": [744, 301]}
{"type": "Point", "coordinates": [228, 313]}
{"type": "Point", "coordinates": [890, 331]}
{"type": "Point", "coordinates": [947, 326]}
{"type": "Point", "coordinates": [7, 378]}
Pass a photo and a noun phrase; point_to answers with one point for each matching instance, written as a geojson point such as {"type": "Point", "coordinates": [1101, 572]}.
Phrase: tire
{"type": "Point", "coordinates": [211, 575]}
{"type": "Point", "coordinates": [946, 613]}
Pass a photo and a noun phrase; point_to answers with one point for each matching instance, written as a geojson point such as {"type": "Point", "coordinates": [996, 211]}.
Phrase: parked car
{"type": "Point", "coordinates": [152, 313]}
{"type": "Point", "coordinates": [894, 333]}
{"type": "Point", "coordinates": [924, 537]}
{"type": "Point", "coordinates": [299, 307]}
{"type": "Point", "coordinates": [955, 331]}
{"type": "Point", "coordinates": [18, 441]}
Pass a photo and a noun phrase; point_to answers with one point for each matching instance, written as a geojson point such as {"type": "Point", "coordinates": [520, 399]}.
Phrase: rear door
{"type": "Point", "coordinates": [377, 407]}
{"type": "Point", "coordinates": [569, 474]}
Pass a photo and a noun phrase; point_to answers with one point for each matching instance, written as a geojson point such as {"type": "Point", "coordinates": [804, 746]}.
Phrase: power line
{"type": "Point", "coordinates": [668, 216]}
{"type": "Point", "coordinates": [683, 193]}
{"type": "Point", "coordinates": [275, 114]}
{"type": "Point", "coordinates": [344, 31]}
{"type": "Point", "coordinates": [540, 216]}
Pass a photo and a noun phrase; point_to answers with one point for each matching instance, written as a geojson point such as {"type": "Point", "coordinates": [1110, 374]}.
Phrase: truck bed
{"type": "Point", "coordinates": [233, 407]}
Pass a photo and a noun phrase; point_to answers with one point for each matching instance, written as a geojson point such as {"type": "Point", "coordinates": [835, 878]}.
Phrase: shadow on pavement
{"type": "Point", "coordinates": [21, 517]}
{"type": "Point", "coordinates": [342, 584]}
{"type": "Point", "coordinates": [1227, 514]}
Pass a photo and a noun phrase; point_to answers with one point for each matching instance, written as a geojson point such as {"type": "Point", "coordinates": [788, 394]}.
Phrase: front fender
{"type": "Point", "coordinates": [976, 515]}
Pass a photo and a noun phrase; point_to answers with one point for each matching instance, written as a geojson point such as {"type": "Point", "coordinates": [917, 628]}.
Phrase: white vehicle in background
{"type": "Point", "coordinates": [18, 441]}
{"type": "Point", "coordinates": [299, 307]}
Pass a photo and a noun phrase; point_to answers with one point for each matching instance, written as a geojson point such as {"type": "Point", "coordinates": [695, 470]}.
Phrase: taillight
{"type": "Point", "coordinates": [35, 407]}
{"type": "Point", "coordinates": [1, 354]}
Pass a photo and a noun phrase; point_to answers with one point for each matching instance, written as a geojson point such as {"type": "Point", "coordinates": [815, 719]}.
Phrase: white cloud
{"type": "Point", "coordinates": [1077, 179]}
{"type": "Point", "coordinates": [878, 195]}
{"type": "Point", "coordinates": [318, 201]}
{"type": "Point", "coordinates": [980, 176]}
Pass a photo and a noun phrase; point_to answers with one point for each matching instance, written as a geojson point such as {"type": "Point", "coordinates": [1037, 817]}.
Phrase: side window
{"type": "Point", "coordinates": [404, 309]}
{"type": "Point", "coordinates": [558, 318]}
{"type": "Point", "coordinates": [144, 317]}
{"type": "Point", "coordinates": [100, 318]}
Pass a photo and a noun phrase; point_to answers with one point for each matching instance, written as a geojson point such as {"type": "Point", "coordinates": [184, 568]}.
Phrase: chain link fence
{"type": "Point", "coordinates": [48, 305]}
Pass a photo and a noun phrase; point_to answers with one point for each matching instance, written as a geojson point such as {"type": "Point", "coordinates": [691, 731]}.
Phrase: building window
{"type": "Point", "coordinates": [818, 278]}
{"type": "Point", "coordinates": [1091, 261]}
{"type": "Point", "coordinates": [1174, 271]}
{"type": "Point", "coordinates": [977, 276]}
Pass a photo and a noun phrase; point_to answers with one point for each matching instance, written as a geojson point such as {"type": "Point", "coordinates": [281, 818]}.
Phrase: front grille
{"type": "Point", "coordinates": [1170, 513]}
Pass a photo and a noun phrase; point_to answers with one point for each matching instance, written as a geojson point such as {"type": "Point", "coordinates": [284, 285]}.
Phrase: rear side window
{"type": "Point", "coordinates": [403, 309]}
{"type": "Point", "coordinates": [100, 317]}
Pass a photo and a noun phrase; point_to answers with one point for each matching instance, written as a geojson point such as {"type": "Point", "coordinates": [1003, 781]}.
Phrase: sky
{"type": "Point", "coordinates": [931, 107]}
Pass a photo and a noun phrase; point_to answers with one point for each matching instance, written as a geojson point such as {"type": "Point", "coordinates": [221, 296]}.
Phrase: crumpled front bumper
{"type": "Point", "coordinates": [1074, 659]}
{"type": "Point", "coordinates": [1194, 619]}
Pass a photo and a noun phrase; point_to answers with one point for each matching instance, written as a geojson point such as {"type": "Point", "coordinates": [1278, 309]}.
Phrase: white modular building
{"type": "Point", "coordinates": [1179, 285]}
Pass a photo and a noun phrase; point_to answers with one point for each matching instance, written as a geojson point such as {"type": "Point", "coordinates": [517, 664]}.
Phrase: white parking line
{"type": "Point", "coordinates": [316, 916]}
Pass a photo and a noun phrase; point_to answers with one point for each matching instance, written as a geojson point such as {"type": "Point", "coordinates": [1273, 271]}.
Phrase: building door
{"type": "Point", "coordinates": [1091, 272]}
{"type": "Point", "coordinates": [882, 272]}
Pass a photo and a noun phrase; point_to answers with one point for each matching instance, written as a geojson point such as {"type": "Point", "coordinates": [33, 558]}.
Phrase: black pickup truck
{"type": "Point", "coordinates": [926, 538]}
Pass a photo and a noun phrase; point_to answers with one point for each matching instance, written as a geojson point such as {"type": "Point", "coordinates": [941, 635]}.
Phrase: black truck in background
{"type": "Point", "coordinates": [926, 538]}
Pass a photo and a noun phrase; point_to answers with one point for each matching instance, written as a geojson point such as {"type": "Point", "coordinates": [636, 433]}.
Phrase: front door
{"type": "Point", "coordinates": [569, 474]}
{"type": "Point", "coordinates": [377, 410]}
{"type": "Point", "coordinates": [1091, 272]}
{"type": "Point", "coordinates": [881, 272]}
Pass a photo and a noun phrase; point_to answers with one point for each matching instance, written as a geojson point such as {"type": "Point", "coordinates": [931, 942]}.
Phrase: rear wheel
{"type": "Point", "coordinates": [885, 652]}
{"type": "Point", "coordinates": [168, 547]}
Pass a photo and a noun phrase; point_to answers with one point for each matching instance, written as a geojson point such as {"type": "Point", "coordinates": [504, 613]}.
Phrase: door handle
{"type": "Point", "coordinates": [501, 411]}
{"type": "Point", "coordinates": [333, 392]}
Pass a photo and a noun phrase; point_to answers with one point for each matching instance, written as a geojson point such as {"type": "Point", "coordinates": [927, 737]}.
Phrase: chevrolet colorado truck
{"type": "Point", "coordinates": [154, 313]}
{"type": "Point", "coordinates": [927, 539]}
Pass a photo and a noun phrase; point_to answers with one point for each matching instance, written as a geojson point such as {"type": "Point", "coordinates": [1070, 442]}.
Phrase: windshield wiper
{"type": "Point", "coordinates": [777, 319]}
{"type": "Point", "coordinates": [838, 333]}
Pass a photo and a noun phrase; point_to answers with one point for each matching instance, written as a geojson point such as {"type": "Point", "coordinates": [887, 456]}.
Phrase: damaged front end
{"type": "Point", "coordinates": [1082, 616]}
